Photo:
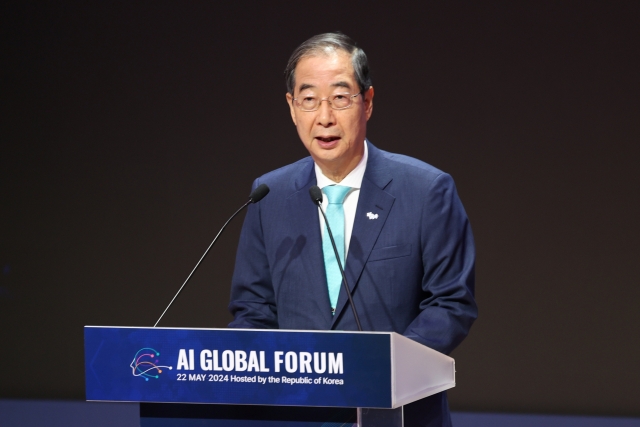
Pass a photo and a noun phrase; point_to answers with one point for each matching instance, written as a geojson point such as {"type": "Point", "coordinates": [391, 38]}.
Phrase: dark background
{"type": "Point", "coordinates": [131, 131]}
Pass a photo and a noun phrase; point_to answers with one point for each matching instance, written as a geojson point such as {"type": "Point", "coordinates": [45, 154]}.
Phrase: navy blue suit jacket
{"type": "Point", "coordinates": [411, 269]}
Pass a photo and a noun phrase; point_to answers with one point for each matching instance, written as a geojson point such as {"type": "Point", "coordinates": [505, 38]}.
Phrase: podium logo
{"type": "Point", "coordinates": [145, 364]}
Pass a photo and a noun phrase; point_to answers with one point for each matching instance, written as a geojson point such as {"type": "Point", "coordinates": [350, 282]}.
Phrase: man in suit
{"type": "Point", "coordinates": [407, 244]}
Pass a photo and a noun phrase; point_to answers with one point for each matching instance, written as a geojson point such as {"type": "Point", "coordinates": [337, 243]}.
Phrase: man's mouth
{"type": "Point", "coordinates": [327, 138]}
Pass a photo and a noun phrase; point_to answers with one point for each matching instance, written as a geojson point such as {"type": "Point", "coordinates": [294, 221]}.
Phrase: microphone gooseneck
{"type": "Point", "coordinates": [316, 198]}
{"type": "Point", "coordinates": [255, 196]}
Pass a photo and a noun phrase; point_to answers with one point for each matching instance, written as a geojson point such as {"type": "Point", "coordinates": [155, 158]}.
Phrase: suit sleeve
{"type": "Point", "coordinates": [448, 308]}
{"type": "Point", "coordinates": [252, 296]}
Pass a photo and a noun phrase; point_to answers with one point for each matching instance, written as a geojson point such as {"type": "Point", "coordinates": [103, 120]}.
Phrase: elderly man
{"type": "Point", "coordinates": [402, 233]}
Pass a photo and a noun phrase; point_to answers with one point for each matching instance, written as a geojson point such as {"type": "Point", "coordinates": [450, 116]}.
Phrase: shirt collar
{"type": "Point", "coordinates": [353, 180]}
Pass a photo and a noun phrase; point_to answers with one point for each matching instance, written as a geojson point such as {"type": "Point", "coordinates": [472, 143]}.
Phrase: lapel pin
{"type": "Point", "coordinates": [371, 215]}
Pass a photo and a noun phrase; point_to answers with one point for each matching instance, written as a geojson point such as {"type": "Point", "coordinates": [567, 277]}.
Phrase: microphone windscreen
{"type": "Point", "coordinates": [259, 193]}
{"type": "Point", "coordinates": [316, 194]}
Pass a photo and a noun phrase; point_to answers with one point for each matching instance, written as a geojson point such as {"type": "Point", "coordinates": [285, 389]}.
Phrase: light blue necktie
{"type": "Point", "coordinates": [335, 216]}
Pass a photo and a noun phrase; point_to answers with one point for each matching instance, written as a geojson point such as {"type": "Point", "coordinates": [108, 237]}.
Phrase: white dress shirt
{"type": "Point", "coordinates": [350, 204]}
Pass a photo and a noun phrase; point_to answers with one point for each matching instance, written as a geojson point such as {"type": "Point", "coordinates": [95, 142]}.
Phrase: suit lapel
{"type": "Point", "coordinates": [374, 206]}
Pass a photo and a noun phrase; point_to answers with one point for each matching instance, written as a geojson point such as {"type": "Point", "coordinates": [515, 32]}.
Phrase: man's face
{"type": "Point", "coordinates": [334, 138]}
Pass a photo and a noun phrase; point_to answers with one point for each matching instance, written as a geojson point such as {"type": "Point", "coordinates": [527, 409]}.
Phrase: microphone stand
{"type": "Point", "coordinates": [317, 199]}
{"type": "Point", "coordinates": [254, 197]}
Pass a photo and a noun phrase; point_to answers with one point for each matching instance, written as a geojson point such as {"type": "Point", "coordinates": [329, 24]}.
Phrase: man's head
{"type": "Point", "coordinates": [331, 99]}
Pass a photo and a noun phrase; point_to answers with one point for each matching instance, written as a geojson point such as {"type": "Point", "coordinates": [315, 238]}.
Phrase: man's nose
{"type": "Point", "coordinates": [325, 113]}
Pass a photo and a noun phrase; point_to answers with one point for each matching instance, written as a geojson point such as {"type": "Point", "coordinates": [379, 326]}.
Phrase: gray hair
{"type": "Point", "coordinates": [319, 44]}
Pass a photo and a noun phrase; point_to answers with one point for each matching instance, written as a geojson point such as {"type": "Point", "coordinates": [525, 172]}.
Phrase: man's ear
{"type": "Point", "coordinates": [368, 102]}
{"type": "Point", "coordinates": [291, 108]}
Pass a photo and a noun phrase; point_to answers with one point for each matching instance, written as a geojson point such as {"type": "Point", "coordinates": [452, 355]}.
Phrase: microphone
{"type": "Point", "coordinates": [316, 198]}
{"type": "Point", "coordinates": [255, 196]}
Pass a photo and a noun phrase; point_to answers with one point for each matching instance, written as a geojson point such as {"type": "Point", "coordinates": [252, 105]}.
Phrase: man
{"type": "Point", "coordinates": [409, 249]}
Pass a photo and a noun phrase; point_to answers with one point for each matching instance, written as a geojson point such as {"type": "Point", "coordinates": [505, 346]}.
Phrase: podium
{"type": "Point", "coordinates": [240, 377]}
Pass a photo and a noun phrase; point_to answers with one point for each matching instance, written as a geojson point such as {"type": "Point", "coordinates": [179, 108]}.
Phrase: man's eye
{"type": "Point", "coordinates": [339, 97]}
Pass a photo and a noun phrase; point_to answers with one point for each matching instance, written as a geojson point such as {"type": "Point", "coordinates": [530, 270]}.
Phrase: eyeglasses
{"type": "Point", "coordinates": [338, 101]}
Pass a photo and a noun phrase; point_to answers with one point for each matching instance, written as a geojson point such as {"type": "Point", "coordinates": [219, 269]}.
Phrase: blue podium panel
{"type": "Point", "coordinates": [229, 366]}
{"type": "Point", "coordinates": [182, 415]}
